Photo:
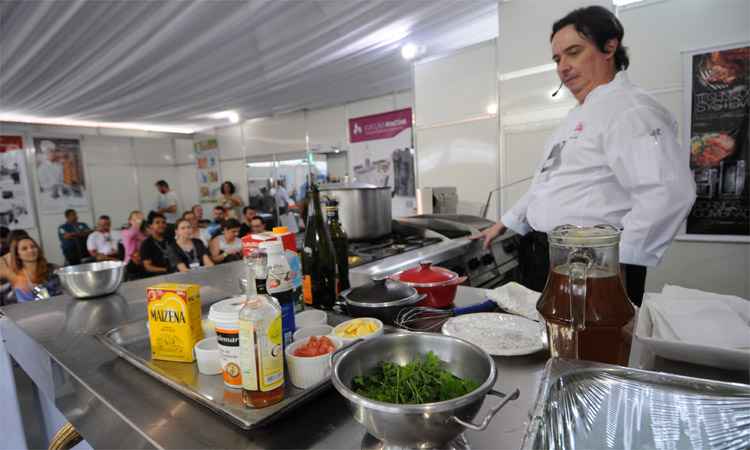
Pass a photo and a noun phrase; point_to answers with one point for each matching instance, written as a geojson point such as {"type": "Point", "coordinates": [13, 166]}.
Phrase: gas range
{"type": "Point", "coordinates": [441, 239]}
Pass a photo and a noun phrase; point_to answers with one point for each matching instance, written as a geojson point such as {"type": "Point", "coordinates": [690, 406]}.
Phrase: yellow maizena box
{"type": "Point", "coordinates": [174, 317]}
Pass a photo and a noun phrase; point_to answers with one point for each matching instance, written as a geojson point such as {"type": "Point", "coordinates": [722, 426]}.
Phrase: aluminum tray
{"type": "Point", "coordinates": [583, 405]}
{"type": "Point", "coordinates": [131, 342]}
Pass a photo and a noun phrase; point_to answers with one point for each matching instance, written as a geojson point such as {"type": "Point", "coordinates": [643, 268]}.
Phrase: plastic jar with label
{"type": "Point", "coordinates": [225, 316]}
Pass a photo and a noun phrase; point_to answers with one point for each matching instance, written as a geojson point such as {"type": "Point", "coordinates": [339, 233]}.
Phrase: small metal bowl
{"type": "Point", "coordinates": [92, 279]}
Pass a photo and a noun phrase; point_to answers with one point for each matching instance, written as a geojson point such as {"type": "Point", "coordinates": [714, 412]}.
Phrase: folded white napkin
{"type": "Point", "coordinates": [516, 299]}
{"type": "Point", "coordinates": [701, 318]}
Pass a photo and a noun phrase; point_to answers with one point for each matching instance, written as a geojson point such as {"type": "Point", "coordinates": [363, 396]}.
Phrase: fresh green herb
{"type": "Point", "coordinates": [421, 381]}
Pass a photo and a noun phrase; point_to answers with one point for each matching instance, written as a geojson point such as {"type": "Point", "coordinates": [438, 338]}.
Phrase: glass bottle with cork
{"type": "Point", "coordinates": [261, 342]}
{"type": "Point", "coordinates": [340, 244]}
{"type": "Point", "coordinates": [318, 256]}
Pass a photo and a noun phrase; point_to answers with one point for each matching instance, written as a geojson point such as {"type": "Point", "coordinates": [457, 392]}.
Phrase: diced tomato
{"type": "Point", "coordinates": [315, 346]}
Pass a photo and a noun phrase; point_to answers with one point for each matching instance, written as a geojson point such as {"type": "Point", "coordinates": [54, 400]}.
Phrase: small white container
{"type": "Point", "coordinates": [306, 371]}
{"type": "Point", "coordinates": [378, 332]}
{"type": "Point", "coordinates": [225, 317]}
{"type": "Point", "coordinates": [310, 318]}
{"type": "Point", "coordinates": [317, 330]}
{"type": "Point", "coordinates": [207, 356]}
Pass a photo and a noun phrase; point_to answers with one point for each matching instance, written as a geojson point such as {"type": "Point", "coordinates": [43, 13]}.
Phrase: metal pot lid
{"type": "Point", "coordinates": [425, 273]}
{"type": "Point", "coordinates": [381, 292]}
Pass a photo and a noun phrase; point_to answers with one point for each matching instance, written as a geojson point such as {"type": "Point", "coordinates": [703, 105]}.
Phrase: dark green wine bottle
{"type": "Point", "coordinates": [340, 244]}
{"type": "Point", "coordinates": [318, 257]}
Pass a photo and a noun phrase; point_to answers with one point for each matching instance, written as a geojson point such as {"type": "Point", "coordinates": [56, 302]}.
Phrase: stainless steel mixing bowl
{"type": "Point", "coordinates": [427, 425]}
{"type": "Point", "coordinates": [93, 279]}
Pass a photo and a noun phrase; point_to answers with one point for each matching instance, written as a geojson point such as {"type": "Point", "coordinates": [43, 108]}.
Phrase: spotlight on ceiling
{"type": "Point", "coordinates": [230, 115]}
{"type": "Point", "coordinates": [409, 51]}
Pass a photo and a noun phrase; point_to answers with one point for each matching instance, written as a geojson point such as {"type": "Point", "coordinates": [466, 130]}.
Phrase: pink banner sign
{"type": "Point", "coordinates": [379, 126]}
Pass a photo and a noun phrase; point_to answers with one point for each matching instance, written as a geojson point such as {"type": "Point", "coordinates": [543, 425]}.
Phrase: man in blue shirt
{"type": "Point", "coordinates": [73, 236]}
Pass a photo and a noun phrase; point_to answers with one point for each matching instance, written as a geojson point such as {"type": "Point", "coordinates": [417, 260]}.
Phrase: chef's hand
{"type": "Point", "coordinates": [490, 233]}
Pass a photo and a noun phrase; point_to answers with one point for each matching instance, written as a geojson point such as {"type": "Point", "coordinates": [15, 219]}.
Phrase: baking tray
{"type": "Point", "coordinates": [131, 342]}
{"type": "Point", "coordinates": [583, 405]}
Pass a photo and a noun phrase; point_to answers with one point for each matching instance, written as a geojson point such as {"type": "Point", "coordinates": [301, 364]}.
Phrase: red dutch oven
{"type": "Point", "coordinates": [437, 283]}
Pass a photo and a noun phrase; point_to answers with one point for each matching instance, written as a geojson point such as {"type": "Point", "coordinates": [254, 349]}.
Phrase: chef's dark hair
{"type": "Point", "coordinates": [598, 25]}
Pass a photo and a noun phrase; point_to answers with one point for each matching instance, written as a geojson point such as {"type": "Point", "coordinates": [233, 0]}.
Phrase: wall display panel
{"type": "Point", "coordinates": [16, 206]}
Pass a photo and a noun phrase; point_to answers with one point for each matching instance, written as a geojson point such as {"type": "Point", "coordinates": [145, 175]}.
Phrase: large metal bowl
{"type": "Point", "coordinates": [427, 425]}
{"type": "Point", "coordinates": [92, 279]}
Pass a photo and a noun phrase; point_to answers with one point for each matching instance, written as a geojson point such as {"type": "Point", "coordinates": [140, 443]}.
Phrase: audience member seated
{"type": "Point", "coordinates": [156, 249]}
{"type": "Point", "coordinates": [31, 275]}
{"type": "Point", "coordinates": [197, 231]}
{"type": "Point", "coordinates": [132, 238]}
{"type": "Point", "coordinates": [247, 216]}
{"type": "Point", "coordinates": [214, 227]}
{"type": "Point", "coordinates": [7, 295]}
{"type": "Point", "coordinates": [73, 236]}
{"type": "Point", "coordinates": [257, 225]}
{"type": "Point", "coordinates": [100, 244]}
{"type": "Point", "coordinates": [189, 252]}
{"type": "Point", "coordinates": [198, 211]}
{"type": "Point", "coordinates": [227, 246]}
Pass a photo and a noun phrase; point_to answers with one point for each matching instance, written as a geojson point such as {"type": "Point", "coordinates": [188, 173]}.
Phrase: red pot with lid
{"type": "Point", "coordinates": [437, 283]}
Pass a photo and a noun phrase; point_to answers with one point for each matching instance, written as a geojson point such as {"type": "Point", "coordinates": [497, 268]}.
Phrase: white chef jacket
{"type": "Point", "coordinates": [614, 160]}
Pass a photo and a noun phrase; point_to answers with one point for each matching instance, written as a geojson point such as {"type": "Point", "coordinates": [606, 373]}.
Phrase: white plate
{"type": "Point", "coordinates": [498, 334]}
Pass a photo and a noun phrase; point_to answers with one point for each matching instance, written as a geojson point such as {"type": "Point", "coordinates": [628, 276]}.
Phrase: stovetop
{"type": "Point", "coordinates": [370, 442]}
{"type": "Point", "coordinates": [403, 239]}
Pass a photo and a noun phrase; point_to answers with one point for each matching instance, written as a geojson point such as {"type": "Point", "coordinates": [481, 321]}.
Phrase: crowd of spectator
{"type": "Point", "coordinates": [154, 244]}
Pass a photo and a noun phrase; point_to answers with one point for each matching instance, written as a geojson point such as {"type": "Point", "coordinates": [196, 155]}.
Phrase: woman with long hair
{"type": "Point", "coordinates": [189, 252]}
{"type": "Point", "coordinates": [230, 200]}
{"type": "Point", "coordinates": [32, 276]}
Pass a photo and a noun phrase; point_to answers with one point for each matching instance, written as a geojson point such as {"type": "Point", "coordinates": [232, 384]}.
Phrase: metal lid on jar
{"type": "Point", "coordinates": [578, 236]}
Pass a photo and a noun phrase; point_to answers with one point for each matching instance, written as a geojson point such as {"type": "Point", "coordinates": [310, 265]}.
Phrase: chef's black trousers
{"type": "Point", "coordinates": [533, 259]}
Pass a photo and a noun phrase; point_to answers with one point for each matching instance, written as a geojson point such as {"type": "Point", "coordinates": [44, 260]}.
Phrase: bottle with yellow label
{"type": "Point", "coordinates": [261, 344]}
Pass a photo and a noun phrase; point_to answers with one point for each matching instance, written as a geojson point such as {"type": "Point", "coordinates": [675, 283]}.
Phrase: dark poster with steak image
{"type": "Point", "coordinates": [719, 142]}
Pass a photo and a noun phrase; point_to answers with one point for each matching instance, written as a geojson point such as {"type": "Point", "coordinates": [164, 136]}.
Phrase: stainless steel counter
{"type": "Point", "coordinates": [115, 405]}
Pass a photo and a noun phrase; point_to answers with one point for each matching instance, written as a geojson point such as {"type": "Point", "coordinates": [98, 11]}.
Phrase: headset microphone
{"type": "Point", "coordinates": [558, 89]}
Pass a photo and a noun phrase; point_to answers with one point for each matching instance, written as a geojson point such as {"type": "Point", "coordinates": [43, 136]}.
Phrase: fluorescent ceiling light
{"type": "Point", "coordinates": [230, 115]}
{"type": "Point", "coordinates": [409, 51]}
{"type": "Point", "coordinates": [90, 124]}
{"type": "Point", "coordinates": [492, 108]}
{"type": "Point", "coordinates": [624, 2]}
{"type": "Point", "coordinates": [527, 72]}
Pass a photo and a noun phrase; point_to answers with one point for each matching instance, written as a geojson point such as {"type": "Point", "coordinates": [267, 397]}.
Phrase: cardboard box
{"type": "Point", "coordinates": [174, 317]}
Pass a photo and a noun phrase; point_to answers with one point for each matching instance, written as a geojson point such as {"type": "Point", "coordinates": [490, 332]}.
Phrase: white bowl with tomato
{"type": "Point", "coordinates": [308, 359]}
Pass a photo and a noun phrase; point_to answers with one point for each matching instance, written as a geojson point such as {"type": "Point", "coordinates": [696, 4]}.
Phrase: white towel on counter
{"type": "Point", "coordinates": [698, 317]}
{"type": "Point", "coordinates": [517, 299]}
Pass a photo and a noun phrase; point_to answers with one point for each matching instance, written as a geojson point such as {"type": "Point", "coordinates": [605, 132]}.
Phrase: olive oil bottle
{"type": "Point", "coordinates": [318, 257]}
{"type": "Point", "coordinates": [340, 244]}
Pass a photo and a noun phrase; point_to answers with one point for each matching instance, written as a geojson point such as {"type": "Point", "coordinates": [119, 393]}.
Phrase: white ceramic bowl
{"type": "Point", "coordinates": [310, 318]}
{"type": "Point", "coordinates": [346, 340]}
{"type": "Point", "coordinates": [207, 356]}
{"type": "Point", "coordinates": [317, 330]}
{"type": "Point", "coordinates": [306, 371]}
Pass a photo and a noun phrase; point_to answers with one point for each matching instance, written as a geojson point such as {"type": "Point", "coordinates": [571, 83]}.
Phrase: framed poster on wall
{"type": "Point", "coordinates": [16, 209]}
{"type": "Point", "coordinates": [717, 110]}
{"type": "Point", "coordinates": [208, 165]}
{"type": "Point", "coordinates": [60, 178]}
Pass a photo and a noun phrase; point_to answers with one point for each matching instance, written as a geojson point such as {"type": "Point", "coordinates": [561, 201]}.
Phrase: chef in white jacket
{"type": "Point", "coordinates": [614, 160]}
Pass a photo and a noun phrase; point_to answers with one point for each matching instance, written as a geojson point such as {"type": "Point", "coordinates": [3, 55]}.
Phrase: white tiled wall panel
{"type": "Point", "coordinates": [230, 142]}
{"type": "Point", "coordinates": [184, 151]}
{"type": "Point", "coordinates": [114, 191]}
{"type": "Point", "coordinates": [462, 155]}
{"type": "Point", "coordinates": [154, 152]}
{"type": "Point", "coordinates": [107, 150]}
{"type": "Point", "coordinates": [456, 87]}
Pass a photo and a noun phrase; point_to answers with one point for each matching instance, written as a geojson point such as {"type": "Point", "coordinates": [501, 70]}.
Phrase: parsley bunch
{"type": "Point", "coordinates": [420, 381]}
